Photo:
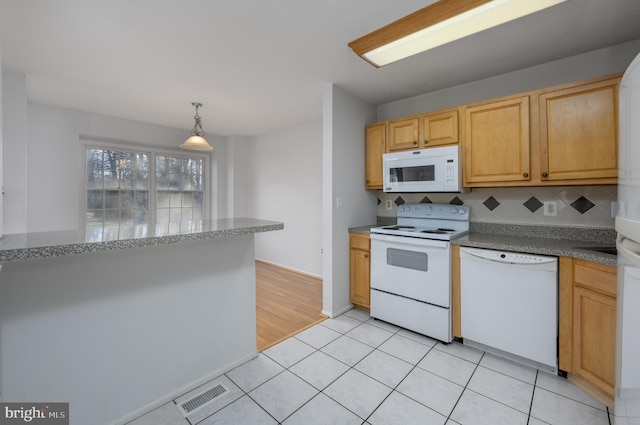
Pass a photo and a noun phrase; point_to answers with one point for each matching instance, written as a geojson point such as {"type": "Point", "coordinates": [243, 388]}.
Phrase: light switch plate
{"type": "Point", "coordinates": [551, 208]}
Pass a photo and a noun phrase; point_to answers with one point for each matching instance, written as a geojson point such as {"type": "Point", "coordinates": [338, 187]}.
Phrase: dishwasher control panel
{"type": "Point", "coordinates": [508, 257]}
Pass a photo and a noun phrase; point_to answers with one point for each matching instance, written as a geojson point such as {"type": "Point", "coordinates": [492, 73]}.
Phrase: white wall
{"type": "Point", "coordinates": [285, 169]}
{"type": "Point", "coordinates": [15, 133]}
{"type": "Point", "coordinates": [591, 64]}
{"type": "Point", "coordinates": [1, 197]}
{"type": "Point", "coordinates": [345, 201]}
{"type": "Point", "coordinates": [45, 159]}
{"type": "Point", "coordinates": [119, 333]}
{"type": "Point", "coordinates": [238, 171]}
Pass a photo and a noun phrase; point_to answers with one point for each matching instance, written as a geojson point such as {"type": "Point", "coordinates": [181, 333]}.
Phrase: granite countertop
{"type": "Point", "coordinates": [363, 230]}
{"type": "Point", "coordinates": [537, 245]}
{"type": "Point", "coordinates": [543, 240]}
{"type": "Point", "coordinates": [28, 246]}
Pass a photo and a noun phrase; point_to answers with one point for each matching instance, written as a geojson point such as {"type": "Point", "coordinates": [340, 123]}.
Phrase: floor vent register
{"type": "Point", "coordinates": [196, 402]}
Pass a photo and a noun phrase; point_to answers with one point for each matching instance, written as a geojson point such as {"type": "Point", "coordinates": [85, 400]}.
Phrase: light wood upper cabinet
{"type": "Point", "coordinates": [404, 134]}
{"type": "Point", "coordinates": [439, 128]}
{"type": "Point", "coordinates": [578, 132]}
{"type": "Point", "coordinates": [560, 135]}
{"type": "Point", "coordinates": [496, 142]}
{"type": "Point", "coordinates": [375, 136]}
{"type": "Point", "coordinates": [359, 270]}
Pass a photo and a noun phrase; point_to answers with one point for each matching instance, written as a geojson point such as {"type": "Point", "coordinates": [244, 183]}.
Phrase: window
{"type": "Point", "coordinates": [126, 188]}
{"type": "Point", "coordinates": [179, 188]}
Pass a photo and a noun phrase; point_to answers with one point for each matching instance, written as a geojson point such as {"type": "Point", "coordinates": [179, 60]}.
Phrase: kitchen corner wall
{"type": "Point", "coordinates": [585, 206]}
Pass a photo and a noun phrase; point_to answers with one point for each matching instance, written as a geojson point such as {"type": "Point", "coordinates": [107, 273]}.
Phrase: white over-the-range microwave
{"type": "Point", "coordinates": [426, 170]}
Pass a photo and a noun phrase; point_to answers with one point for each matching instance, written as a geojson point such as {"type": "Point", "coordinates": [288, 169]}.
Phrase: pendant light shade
{"type": "Point", "coordinates": [197, 141]}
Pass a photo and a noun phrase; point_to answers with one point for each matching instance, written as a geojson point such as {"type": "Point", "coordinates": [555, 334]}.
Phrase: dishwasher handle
{"type": "Point", "coordinates": [507, 257]}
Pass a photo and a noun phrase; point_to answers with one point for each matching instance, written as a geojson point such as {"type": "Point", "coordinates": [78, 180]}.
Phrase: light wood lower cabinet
{"type": "Point", "coordinates": [359, 270]}
{"type": "Point", "coordinates": [456, 313]}
{"type": "Point", "coordinates": [588, 323]}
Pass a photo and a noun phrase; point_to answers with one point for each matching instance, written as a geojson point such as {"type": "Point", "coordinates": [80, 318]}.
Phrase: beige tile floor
{"type": "Point", "coordinates": [356, 370]}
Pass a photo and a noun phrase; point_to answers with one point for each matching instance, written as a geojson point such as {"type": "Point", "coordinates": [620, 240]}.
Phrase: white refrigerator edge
{"type": "Point", "coordinates": [627, 391]}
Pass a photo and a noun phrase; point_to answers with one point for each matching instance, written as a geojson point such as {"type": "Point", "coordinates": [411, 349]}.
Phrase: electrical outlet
{"type": "Point", "coordinates": [551, 208]}
{"type": "Point", "coordinates": [388, 204]}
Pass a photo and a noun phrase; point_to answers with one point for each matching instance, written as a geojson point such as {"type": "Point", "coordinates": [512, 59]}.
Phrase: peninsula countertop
{"type": "Point", "coordinates": [28, 246]}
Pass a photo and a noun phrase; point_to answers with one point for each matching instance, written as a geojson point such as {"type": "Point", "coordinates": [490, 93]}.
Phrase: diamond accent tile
{"type": "Point", "coordinates": [518, 205]}
{"type": "Point", "coordinates": [533, 204]}
{"type": "Point", "coordinates": [399, 201]}
{"type": "Point", "coordinates": [379, 201]}
{"type": "Point", "coordinates": [491, 203]}
{"type": "Point", "coordinates": [582, 205]}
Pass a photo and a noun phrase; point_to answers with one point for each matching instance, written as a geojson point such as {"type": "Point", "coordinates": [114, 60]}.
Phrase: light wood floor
{"type": "Point", "coordinates": [286, 303]}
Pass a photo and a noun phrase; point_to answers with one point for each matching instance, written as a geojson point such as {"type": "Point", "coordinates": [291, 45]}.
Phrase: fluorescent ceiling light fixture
{"type": "Point", "coordinates": [440, 23]}
{"type": "Point", "coordinates": [197, 142]}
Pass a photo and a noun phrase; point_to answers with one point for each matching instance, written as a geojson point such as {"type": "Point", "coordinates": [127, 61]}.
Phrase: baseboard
{"type": "Point", "coordinates": [185, 389]}
{"type": "Point", "coordinates": [337, 313]}
{"type": "Point", "coordinates": [291, 269]}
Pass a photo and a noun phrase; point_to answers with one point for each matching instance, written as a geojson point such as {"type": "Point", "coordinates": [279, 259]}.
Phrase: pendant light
{"type": "Point", "coordinates": [197, 141]}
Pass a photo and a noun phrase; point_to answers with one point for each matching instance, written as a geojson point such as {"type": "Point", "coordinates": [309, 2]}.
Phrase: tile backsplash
{"type": "Point", "coordinates": [586, 206]}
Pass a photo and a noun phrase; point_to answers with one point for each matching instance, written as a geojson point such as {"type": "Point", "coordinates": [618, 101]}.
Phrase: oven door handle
{"type": "Point", "coordinates": [406, 240]}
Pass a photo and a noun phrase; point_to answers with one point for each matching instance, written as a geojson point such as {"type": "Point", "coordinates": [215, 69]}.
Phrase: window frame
{"type": "Point", "coordinates": [89, 142]}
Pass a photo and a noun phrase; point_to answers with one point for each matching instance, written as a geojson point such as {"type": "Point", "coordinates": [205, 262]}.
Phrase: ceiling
{"type": "Point", "coordinates": [260, 65]}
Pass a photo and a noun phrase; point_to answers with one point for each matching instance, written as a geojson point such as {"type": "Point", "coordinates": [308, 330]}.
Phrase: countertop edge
{"type": "Point", "coordinates": [541, 246]}
{"type": "Point", "coordinates": [67, 249]}
{"type": "Point", "coordinates": [577, 251]}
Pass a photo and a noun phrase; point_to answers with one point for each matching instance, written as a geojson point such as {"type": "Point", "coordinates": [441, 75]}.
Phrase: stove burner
{"type": "Point", "coordinates": [446, 230]}
{"type": "Point", "coordinates": [436, 231]}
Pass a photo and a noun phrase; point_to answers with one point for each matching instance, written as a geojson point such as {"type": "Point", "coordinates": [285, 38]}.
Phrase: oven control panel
{"type": "Point", "coordinates": [435, 211]}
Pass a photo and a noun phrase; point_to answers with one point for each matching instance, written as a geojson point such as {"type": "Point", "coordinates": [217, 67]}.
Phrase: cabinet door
{"type": "Point", "coordinates": [594, 338]}
{"type": "Point", "coordinates": [375, 135]}
{"type": "Point", "coordinates": [497, 142]}
{"type": "Point", "coordinates": [578, 132]}
{"type": "Point", "coordinates": [403, 134]}
{"type": "Point", "coordinates": [359, 270]}
{"type": "Point", "coordinates": [439, 129]}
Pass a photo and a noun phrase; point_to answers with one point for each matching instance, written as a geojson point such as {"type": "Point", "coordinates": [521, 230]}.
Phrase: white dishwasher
{"type": "Point", "coordinates": [509, 305]}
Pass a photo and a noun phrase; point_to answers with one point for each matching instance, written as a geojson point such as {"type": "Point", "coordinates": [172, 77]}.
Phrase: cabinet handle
{"type": "Point", "coordinates": [415, 142]}
{"type": "Point", "coordinates": [426, 142]}
{"type": "Point", "coordinates": [525, 175]}
{"type": "Point", "coordinates": [545, 174]}
{"type": "Point", "coordinates": [366, 255]}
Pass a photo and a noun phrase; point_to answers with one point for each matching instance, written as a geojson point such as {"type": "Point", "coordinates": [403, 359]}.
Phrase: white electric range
{"type": "Point", "coordinates": [411, 268]}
